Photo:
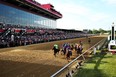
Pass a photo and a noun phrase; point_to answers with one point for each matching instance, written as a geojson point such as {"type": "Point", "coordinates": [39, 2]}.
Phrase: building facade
{"type": "Point", "coordinates": [25, 14]}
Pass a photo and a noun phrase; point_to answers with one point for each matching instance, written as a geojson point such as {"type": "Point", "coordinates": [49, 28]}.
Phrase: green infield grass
{"type": "Point", "coordinates": [100, 65]}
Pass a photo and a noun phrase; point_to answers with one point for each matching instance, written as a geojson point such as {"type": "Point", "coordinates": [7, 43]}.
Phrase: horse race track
{"type": "Point", "coordinates": [36, 60]}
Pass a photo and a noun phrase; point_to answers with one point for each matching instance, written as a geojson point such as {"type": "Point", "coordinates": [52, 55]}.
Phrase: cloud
{"type": "Point", "coordinates": [99, 17]}
{"type": "Point", "coordinates": [71, 8]}
{"type": "Point", "coordinates": [68, 24]}
{"type": "Point", "coordinates": [78, 16]}
{"type": "Point", "coordinates": [110, 1]}
{"type": "Point", "coordinates": [43, 1]}
{"type": "Point", "coordinates": [75, 9]}
{"type": "Point", "coordinates": [71, 16]}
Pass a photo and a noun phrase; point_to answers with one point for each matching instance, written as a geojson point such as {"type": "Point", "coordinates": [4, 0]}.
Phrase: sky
{"type": "Point", "coordinates": [84, 14]}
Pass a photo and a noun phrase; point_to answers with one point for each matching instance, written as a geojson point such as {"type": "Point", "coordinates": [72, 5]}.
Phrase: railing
{"type": "Point", "coordinates": [68, 70]}
{"type": "Point", "coordinates": [6, 33]}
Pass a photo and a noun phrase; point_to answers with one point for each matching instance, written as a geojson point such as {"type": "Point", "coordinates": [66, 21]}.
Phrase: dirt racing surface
{"type": "Point", "coordinates": [37, 60]}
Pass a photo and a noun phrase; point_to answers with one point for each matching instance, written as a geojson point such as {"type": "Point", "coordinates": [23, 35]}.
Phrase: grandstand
{"type": "Point", "coordinates": [25, 22]}
{"type": "Point", "coordinates": [28, 13]}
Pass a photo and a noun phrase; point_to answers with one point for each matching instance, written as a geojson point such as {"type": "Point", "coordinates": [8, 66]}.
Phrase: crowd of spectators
{"type": "Point", "coordinates": [17, 35]}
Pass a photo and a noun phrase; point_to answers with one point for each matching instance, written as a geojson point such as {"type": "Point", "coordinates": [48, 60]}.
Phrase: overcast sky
{"type": "Point", "coordinates": [84, 14]}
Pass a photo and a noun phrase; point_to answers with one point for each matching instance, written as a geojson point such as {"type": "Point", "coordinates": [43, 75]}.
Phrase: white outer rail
{"type": "Point", "coordinates": [75, 59]}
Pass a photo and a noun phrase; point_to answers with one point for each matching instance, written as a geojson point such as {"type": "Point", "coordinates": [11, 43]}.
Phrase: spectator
{"type": "Point", "coordinates": [30, 35]}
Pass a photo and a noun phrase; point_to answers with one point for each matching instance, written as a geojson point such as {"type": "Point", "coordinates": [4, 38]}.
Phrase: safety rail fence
{"type": "Point", "coordinates": [6, 33]}
{"type": "Point", "coordinates": [69, 69]}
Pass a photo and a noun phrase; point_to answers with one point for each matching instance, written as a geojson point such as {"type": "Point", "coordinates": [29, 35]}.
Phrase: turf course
{"type": "Point", "coordinates": [100, 65]}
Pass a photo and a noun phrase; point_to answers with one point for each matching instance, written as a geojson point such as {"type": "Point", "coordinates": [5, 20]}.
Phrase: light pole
{"type": "Point", "coordinates": [113, 32]}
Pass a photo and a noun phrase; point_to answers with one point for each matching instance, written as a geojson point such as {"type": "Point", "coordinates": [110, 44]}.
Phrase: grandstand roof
{"type": "Point", "coordinates": [46, 10]}
{"type": "Point", "coordinates": [70, 30]}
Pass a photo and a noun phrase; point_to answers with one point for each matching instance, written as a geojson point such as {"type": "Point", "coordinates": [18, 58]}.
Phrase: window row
{"type": "Point", "coordinates": [15, 16]}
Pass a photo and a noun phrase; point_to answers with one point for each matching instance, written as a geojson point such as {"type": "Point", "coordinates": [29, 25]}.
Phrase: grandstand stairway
{"type": "Point", "coordinates": [6, 33]}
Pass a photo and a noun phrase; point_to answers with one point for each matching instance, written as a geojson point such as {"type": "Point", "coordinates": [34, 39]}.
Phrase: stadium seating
{"type": "Point", "coordinates": [25, 35]}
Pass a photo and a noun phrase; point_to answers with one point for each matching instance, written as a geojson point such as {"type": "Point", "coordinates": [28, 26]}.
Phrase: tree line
{"type": "Point", "coordinates": [102, 31]}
